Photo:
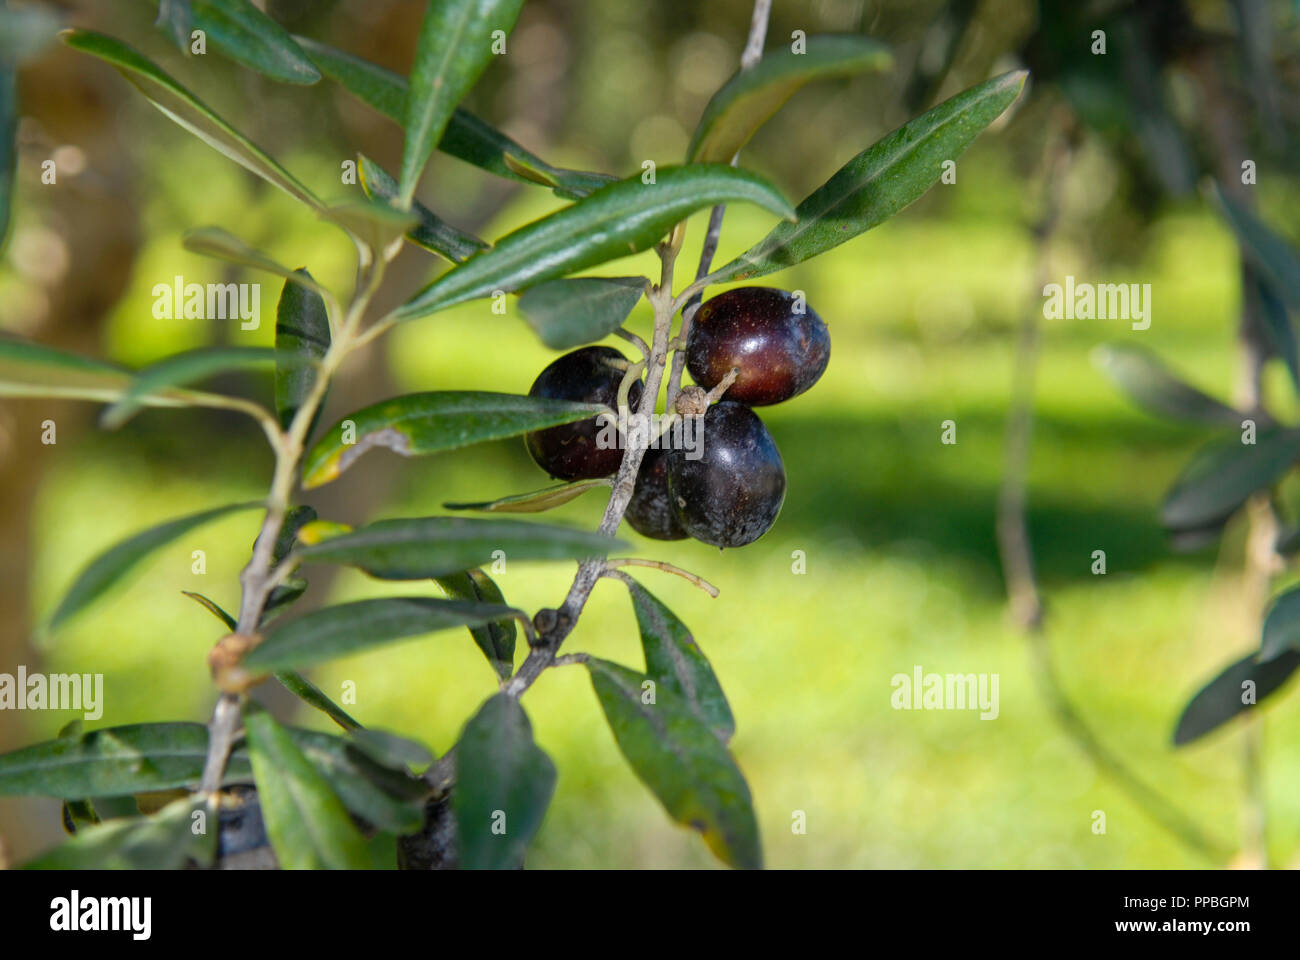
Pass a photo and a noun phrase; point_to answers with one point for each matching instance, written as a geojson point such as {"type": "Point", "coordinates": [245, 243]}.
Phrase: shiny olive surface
{"type": "Point", "coordinates": [779, 345]}
{"type": "Point", "coordinates": [732, 494]}
{"type": "Point", "coordinates": [650, 510]}
{"type": "Point", "coordinates": [570, 451]}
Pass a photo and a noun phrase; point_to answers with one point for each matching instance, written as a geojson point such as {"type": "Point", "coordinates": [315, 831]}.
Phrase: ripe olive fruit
{"type": "Point", "coordinates": [650, 510]}
{"type": "Point", "coordinates": [569, 451]}
{"type": "Point", "coordinates": [779, 345]}
{"type": "Point", "coordinates": [731, 495]}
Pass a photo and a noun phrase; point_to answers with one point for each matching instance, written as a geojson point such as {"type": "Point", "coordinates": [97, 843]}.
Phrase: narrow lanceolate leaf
{"type": "Point", "coordinates": [1281, 632]}
{"type": "Point", "coordinates": [626, 217]}
{"type": "Point", "coordinates": [34, 370]}
{"type": "Point", "coordinates": [679, 758]}
{"type": "Point", "coordinates": [221, 245]}
{"type": "Point", "coordinates": [248, 36]}
{"type": "Point", "coordinates": [213, 608]}
{"type": "Point", "coordinates": [353, 627]}
{"type": "Point", "coordinates": [113, 564]}
{"type": "Point", "coordinates": [456, 44]}
{"type": "Point", "coordinates": [1238, 689]}
{"type": "Point", "coordinates": [1272, 255]}
{"type": "Point", "coordinates": [417, 548]}
{"type": "Point", "coordinates": [537, 500]}
{"type": "Point", "coordinates": [302, 337]}
{"type": "Point", "coordinates": [184, 369]}
{"type": "Point", "coordinates": [879, 182]}
{"type": "Point", "coordinates": [750, 97]}
{"type": "Point", "coordinates": [675, 661]}
{"type": "Point", "coordinates": [380, 792]}
{"type": "Point", "coordinates": [113, 762]}
{"type": "Point", "coordinates": [467, 137]}
{"type": "Point", "coordinates": [375, 225]}
{"type": "Point", "coordinates": [189, 111]}
{"type": "Point", "coordinates": [569, 312]}
{"type": "Point", "coordinates": [392, 750]}
{"type": "Point", "coordinates": [313, 696]}
{"type": "Point", "coordinates": [422, 423]}
{"type": "Point", "coordinates": [1264, 300]}
{"type": "Point", "coordinates": [497, 638]}
{"type": "Point", "coordinates": [164, 841]}
{"type": "Point", "coordinates": [1223, 475]}
{"type": "Point", "coordinates": [1152, 386]}
{"type": "Point", "coordinates": [504, 784]}
{"type": "Point", "coordinates": [307, 824]}
{"type": "Point", "coordinates": [430, 231]}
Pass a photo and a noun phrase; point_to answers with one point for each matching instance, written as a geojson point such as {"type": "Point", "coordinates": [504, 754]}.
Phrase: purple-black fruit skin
{"type": "Point", "coordinates": [780, 353]}
{"type": "Point", "coordinates": [732, 494]}
{"type": "Point", "coordinates": [569, 451]}
{"type": "Point", "coordinates": [650, 511]}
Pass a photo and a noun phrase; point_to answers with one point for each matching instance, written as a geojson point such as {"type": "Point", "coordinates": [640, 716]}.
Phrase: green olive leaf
{"type": "Point", "coordinates": [681, 760]}
{"type": "Point", "coordinates": [111, 566]}
{"type": "Point", "coordinates": [163, 841]}
{"type": "Point", "coordinates": [536, 501]}
{"type": "Point", "coordinates": [497, 638]}
{"type": "Point", "coordinates": [503, 780]}
{"type": "Point", "coordinates": [1281, 631]}
{"type": "Point", "coordinates": [1223, 475]}
{"type": "Point", "coordinates": [430, 232]}
{"type": "Point", "coordinates": [183, 369]}
{"type": "Point", "coordinates": [576, 310]}
{"type": "Point", "coordinates": [456, 44]}
{"type": "Point", "coordinates": [418, 424]}
{"type": "Point", "coordinates": [1152, 386]}
{"type": "Point", "coordinates": [222, 245]}
{"type": "Point", "coordinates": [467, 137]}
{"type": "Point", "coordinates": [1240, 688]}
{"type": "Point", "coordinates": [113, 762]}
{"type": "Point", "coordinates": [183, 107]}
{"type": "Point", "coordinates": [675, 661]}
{"type": "Point", "coordinates": [750, 97]}
{"type": "Point", "coordinates": [302, 338]}
{"type": "Point", "coordinates": [879, 182]}
{"type": "Point", "coordinates": [623, 218]}
{"type": "Point", "coordinates": [348, 628]}
{"type": "Point", "coordinates": [419, 548]}
{"type": "Point", "coordinates": [249, 36]}
{"type": "Point", "coordinates": [307, 824]}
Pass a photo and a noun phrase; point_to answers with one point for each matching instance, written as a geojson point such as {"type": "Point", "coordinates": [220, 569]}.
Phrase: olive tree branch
{"type": "Point", "coordinates": [752, 53]}
{"type": "Point", "coordinates": [258, 579]}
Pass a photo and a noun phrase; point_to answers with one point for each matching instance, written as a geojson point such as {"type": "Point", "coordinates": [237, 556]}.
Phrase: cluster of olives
{"type": "Point", "coordinates": [730, 494]}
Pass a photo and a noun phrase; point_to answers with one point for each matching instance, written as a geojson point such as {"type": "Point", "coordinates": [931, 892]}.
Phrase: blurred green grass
{"type": "Point", "coordinates": [896, 527]}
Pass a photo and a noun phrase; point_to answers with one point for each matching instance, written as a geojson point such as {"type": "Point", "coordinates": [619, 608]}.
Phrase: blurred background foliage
{"type": "Point", "coordinates": [898, 530]}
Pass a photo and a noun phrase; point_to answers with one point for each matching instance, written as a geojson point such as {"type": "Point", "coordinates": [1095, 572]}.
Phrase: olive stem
{"type": "Point", "coordinates": [751, 55]}
{"type": "Point", "coordinates": [258, 579]}
{"type": "Point", "coordinates": [633, 339]}
{"type": "Point", "coordinates": [722, 386]}
{"type": "Point", "coordinates": [612, 572]}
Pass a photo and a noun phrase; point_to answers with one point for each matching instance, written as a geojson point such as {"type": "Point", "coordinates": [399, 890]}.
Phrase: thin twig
{"type": "Point", "coordinates": [753, 52]}
{"type": "Point", "coordinates": [257, 578]}
{"type": "Point", "coordinates": [612, 565]}
{"type": "Point", "coordinates": [1016, 551]}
